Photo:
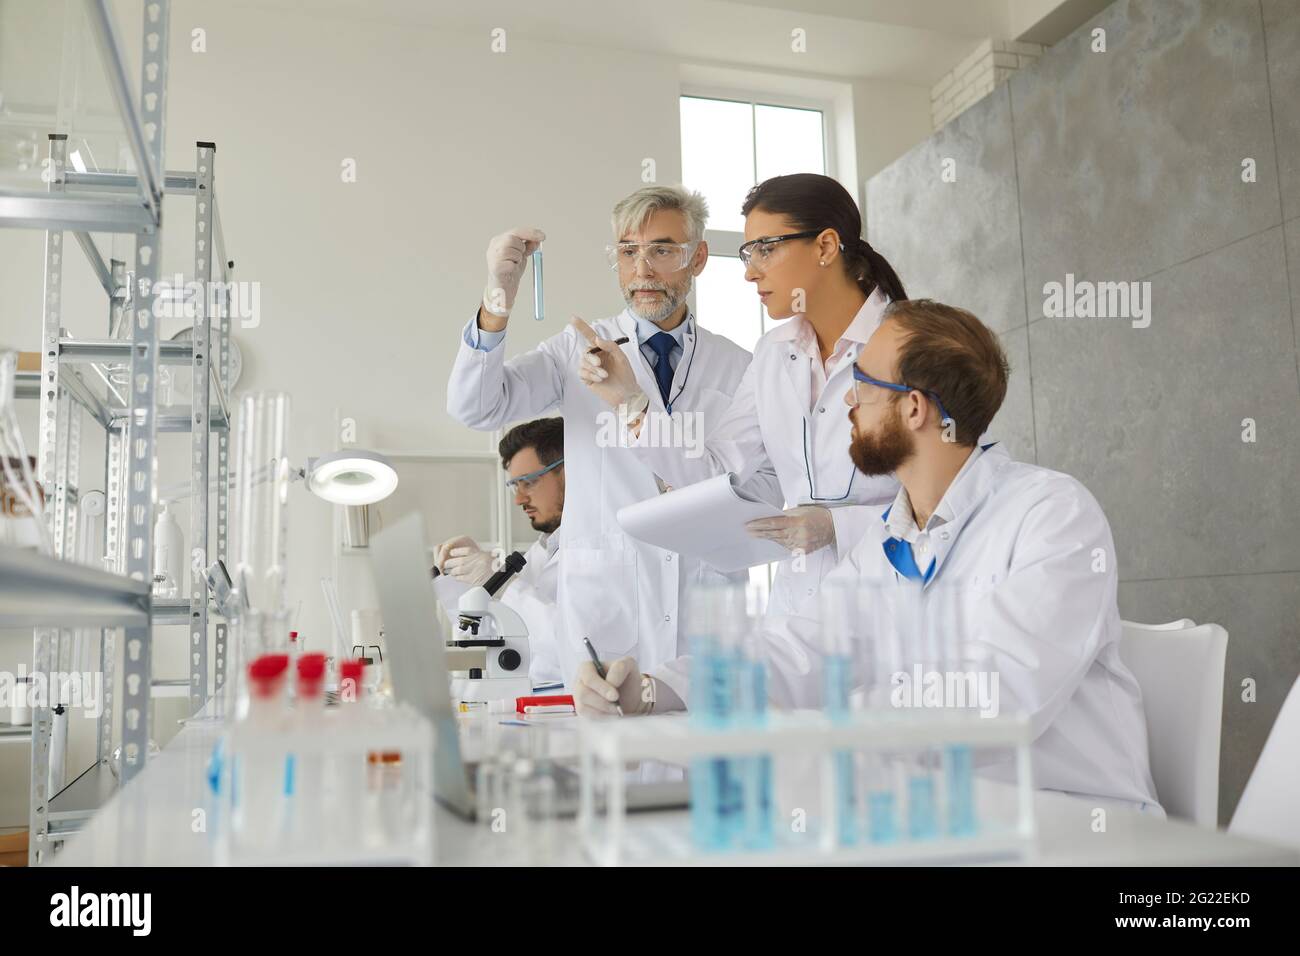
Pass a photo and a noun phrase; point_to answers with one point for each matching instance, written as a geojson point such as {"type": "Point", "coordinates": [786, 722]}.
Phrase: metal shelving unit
{"type": "Point", "coordinates": [54, 595]}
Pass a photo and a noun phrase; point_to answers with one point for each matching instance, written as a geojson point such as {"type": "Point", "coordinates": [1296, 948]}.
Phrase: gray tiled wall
{"type": "Point", "coordinates": [1127, 165]}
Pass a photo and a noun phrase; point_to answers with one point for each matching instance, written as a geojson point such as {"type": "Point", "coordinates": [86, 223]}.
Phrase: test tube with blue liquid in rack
{"type": "Point", "coordinates": [940, 780]}
{"type": "Point", "coordinates": [757, 769]}
{"type": "Point", "coordinates": [948, 618]}
{"type": "Point", "coordinates": [840, 624]}
{"type": "Point", "coordinates": [715, 784]}
{"type": "Point", "coordinates": [882, 638]}
{"type": "Point", "coordinates": [884, 627]}
{"type": "Point", "coordinates": [920, 659]}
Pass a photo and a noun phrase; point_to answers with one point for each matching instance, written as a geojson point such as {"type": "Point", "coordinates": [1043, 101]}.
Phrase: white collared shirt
{"type": "Point", "coordinates": [851, 340]}
{"type": "Point", "coordinates": [901, 522]}
{"type": "Point", "coordinates": [550, 542]}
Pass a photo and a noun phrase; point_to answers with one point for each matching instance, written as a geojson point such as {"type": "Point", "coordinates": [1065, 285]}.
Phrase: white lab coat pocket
{"type": "Point", "coordinates": [797, 585]}
{"type": "Point", "coordinates": [598, 593]}
{"type": "Point", "coordinates": [711, 403]}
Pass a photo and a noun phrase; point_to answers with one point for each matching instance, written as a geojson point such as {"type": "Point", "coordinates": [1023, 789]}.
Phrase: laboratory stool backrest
{"type": "Point", "coordinates": [1179, 667]}
{"type": "Point", "coordinates": [1270, 805]}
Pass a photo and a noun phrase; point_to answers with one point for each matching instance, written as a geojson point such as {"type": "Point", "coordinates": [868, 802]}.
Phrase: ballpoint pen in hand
{"type": "Point", "coordinates": [600, 671]}
{"type": "Point", "coordinates": [621, 340]}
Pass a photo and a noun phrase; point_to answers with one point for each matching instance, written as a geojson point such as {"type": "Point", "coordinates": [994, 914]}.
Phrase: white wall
{"type": "Point", "coordinates": [889, 119]}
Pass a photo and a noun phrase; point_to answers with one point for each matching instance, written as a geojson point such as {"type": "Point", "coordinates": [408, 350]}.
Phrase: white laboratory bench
{"type": "Point", "coordinates": [150, 823]}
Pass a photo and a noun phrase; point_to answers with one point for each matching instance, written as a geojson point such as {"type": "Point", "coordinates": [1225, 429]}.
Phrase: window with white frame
{"type": "Point", "coordinates": [728, 145]}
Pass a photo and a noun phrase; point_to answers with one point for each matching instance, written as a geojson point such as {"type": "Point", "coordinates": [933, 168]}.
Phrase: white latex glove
{"type": "Point", "coordinates": [462, 559]}
{"type": "Point", "coordinates": [507, 256]}
{"type": "Point", "coordinates": [806, 528]}
{"type": "Point", "coordinates": [607, 372]}
{"type": "Point", "coordinates": [442, 551]}
{"type": "Point", "coordinates": [621, 688]}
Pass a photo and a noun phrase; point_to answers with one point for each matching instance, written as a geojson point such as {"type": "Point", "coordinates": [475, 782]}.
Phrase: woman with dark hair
{"type": "Point", "coordinates": [826, 287]}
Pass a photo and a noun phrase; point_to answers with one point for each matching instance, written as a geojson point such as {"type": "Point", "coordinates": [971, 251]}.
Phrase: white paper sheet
{"type": "Point", "coordinates": [705, 520]}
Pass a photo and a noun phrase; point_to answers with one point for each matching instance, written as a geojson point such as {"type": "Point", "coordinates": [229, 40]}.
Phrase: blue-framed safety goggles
{"type": "Point", "coordinates": [861, 376]}
{"type": "Point", "coordinates": [528, 480]}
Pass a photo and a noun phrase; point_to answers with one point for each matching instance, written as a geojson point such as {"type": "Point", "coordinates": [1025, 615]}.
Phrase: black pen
{"type": "Point", "coordinates": [595, 659]}
{"type": "Point", "coordinates": [621, 340]}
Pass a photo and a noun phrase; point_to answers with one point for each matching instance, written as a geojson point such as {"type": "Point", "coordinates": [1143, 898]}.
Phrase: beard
{"type": "Point", "coordinates": [882, 453]}
{"type": "Point", "coordinates": [673, 297]}
{"type": "Point", "coordinates": [545, 526]}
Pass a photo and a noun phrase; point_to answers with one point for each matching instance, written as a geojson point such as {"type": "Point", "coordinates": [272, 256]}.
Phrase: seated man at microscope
{"type": "Point", "coordinates": [533, 455]}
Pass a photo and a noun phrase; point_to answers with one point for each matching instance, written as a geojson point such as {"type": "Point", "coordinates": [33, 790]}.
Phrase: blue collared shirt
{"type": "Point", "coordinates": [482, 339]}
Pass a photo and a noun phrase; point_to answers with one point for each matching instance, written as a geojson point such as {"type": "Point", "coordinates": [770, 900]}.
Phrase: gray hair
{"type": "Point", "coordinates": [632, 211]}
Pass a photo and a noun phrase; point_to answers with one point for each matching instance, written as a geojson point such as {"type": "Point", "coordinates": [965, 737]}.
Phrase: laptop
{"type": "Point", "coordinates": [418, 669]}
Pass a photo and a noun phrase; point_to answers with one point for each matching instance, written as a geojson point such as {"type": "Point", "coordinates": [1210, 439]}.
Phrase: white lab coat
{"type": "Point", "coordinates": [625, 595]}
{"type": "Point", "coordinates": [531, 594]}
{"type": "Point", "coordinates": [771, 424]}
{"type": "Point", "coordinates": [1028, 555]}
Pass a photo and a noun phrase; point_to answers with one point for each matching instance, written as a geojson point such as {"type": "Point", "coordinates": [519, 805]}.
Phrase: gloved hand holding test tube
{"type": "Point", "coordinates": [507, 258]}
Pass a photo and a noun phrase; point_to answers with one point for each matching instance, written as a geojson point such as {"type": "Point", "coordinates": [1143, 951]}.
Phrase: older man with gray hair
{"type": "Point", "coordinates": [625, 596]}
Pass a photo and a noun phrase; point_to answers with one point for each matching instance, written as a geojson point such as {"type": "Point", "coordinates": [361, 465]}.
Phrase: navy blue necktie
{"type": "Point", "coordinates": [663, 344]}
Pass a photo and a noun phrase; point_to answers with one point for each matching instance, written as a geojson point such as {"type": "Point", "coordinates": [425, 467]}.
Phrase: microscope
{"type": "Point", "coordinates": [500, 631]}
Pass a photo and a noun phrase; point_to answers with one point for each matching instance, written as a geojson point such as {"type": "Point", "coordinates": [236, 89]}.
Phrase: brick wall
{"type": "Point", "coordinates": [974, 77]}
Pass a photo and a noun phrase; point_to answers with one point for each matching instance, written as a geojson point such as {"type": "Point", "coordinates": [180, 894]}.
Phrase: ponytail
{"type": "Point", "coordinates": [878, 274]}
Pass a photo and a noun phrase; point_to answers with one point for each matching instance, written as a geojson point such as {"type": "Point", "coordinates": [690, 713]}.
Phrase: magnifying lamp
{"type": "Point", "coordinates": [352, 476]}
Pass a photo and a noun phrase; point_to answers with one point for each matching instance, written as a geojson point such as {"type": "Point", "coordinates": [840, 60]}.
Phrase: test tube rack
{"type": "Point", "coordinates": [607, 747]}
{"type": "Point", "coordinates": [390, 825]}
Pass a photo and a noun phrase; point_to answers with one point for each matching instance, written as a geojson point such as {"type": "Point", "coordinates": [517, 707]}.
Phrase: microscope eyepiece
{"type": "Point", "coordinates": [514, 563]}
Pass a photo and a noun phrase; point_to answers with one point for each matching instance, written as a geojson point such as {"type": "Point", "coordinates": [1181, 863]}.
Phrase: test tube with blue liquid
{"type": "Point", "coordinates": [883, 776]}
{"type": "Point", "coordinates": [922, 807]}
{"type": "Point", "coordinates": [756, 770]}
{"type": "Point", "coordinates": [730, 678]}
{"type": "Point", "coordinates": [715, 785]}
{"type": "Point", "coordinates": [839, 623]}
{"type": "Point", "coordinates": [882, 799]}
{"type": "Point", "coordinates": [921, 660]}
{"type": "Point", "coordinates": [949, 619]}
{"type": "Point", "coordinates": [539, 312]}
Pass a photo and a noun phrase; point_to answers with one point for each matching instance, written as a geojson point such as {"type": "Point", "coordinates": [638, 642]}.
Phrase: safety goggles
{"type": "Point", "coordinates": [861, 376]}
{"type": "Point", "coordinates": [527, 481]}
{"type": "Point", "coordinates": [761, 249]}
{"type": "Point", "coordinates": [662, 257]}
